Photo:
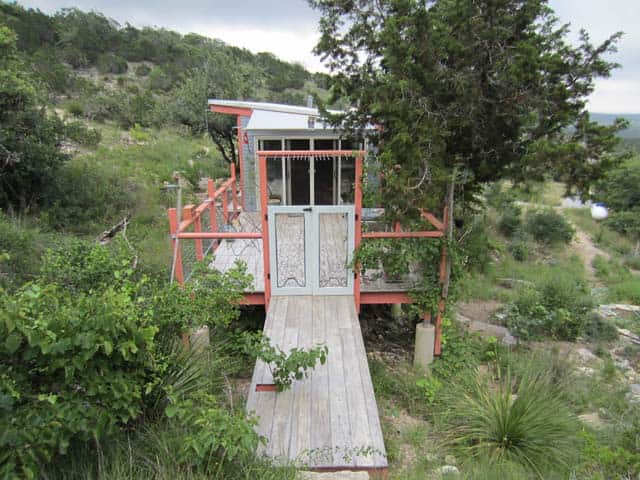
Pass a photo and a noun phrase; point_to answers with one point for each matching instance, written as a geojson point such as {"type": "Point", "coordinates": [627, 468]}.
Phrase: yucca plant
{"type": "Point", "coordinates": [521, 421]}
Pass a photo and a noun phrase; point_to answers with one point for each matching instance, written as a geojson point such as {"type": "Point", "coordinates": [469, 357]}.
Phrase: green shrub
{"type": "Point", "coordinates": [549, 227]}
{"type": "Point", "coordinates": [75, 108]}
{"type": "Point", "coordinates": [86, 351]}
{"type": "Point", "coordinates": [599, 329]}
{"type": "Point", "coordinates": [498, 197]}
{"type": "Point", "coordinates": [627, 291]}
{"type": "Point", "coordinates": [520, 250]}
{"type": "Point", "coordinates": [112, 63]}
{"type": "Point", "coordinates": [81, 134]}
{"type": "Point", "coordinates": [556, 306]}
{"type": "Point", "coordinates": [142, 70]}
{"type": "Point", "coordinates": [523, 421]}
{"type": "Point", "coordinates": [20, 251]}
{"type": "Point", "coordinates": [511, 221]}
{"type": "Point", "coordinates": [87, 198]}
{"type": "Point", "coordinates": [632, 261]}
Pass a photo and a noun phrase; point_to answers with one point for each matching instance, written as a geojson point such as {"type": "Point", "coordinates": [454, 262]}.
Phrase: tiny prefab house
{"type": "Point", "coordinates": [293, 215]}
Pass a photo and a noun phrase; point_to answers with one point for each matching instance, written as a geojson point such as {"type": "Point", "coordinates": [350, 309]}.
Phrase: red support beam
{"type": "Point", "coordinates": [220, 235]}
{"type": "Point", "coordinates": [431, 234]}
{"type": "Point", "coordinates": [262, 160]}
{"type": "Point", "coordinates": [384, 298]}
{"type": "Point", "coordinates": [253, 299]}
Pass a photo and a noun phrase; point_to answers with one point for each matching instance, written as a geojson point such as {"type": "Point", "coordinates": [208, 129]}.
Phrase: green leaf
{"type": "Point", "coordinates": [12, 342]}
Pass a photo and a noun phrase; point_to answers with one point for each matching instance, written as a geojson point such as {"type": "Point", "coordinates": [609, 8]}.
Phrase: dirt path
{"type": "Point", "coordinates": [587, 251]}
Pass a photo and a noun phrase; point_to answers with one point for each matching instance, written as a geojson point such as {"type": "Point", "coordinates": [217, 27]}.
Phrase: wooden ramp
{"type": "Point", "coordinates": [328, 421]}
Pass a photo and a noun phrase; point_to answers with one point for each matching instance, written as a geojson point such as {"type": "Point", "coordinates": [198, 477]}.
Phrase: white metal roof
{"type": "Point", "coordinates": [275, 116]}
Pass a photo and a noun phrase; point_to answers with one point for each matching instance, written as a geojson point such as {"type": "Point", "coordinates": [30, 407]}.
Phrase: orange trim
{"type": "Point", "coordinates": [262, 160]}
{"type": "Point", "coordinates": [245, 112]}
{"type": "Point", "coordinates": [429, 217]}
{"type": "Point", "coordinates": [253, 299]}
{"type": "Point", "coordinates": [310, 153]}
{"type": "Point", "coordinates": [384, 298]}
{"type": "Point", "coordinates": [429, 234]}
{"type": "Point", "coordinates": [241, 157]}
{"type": "Point", "coordinates": [265, 387]}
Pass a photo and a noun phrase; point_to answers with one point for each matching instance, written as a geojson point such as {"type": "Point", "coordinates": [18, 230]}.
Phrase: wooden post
{"type": "Point", "coordinates": [234, 189]}
{"type": "Point", "coordinates": [241, 156]}
{"type": "Point", "coordinates": [225, 205]}
{"type": "Point", "coordinates": [437, 348]}
{"type": "Point", "coordinates": [197, 228]}
{"type": "Point", "coordinates": [358, 228]}
{"type": "Point", "coordinates": [213, 216]}
{"type": "Point", "coordinates": [177, 272]}
{"type": "Point", "coordinates": [265, 229]}
{"type": "Point", "coordinates": [188, 213]}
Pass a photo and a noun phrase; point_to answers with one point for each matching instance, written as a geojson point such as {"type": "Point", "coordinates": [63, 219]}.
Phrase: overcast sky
{"type": "Point", "coordinates": [288, 28]}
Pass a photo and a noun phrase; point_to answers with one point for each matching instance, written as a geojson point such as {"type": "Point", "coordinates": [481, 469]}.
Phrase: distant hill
{"type": "Point", "coordinates": [631, 133]}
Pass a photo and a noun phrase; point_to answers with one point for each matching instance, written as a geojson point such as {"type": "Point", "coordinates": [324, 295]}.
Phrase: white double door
{"type": "Point", "coordinates": [311, 249]}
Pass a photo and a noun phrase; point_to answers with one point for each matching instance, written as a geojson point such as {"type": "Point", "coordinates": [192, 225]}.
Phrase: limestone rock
{"type": "Point", "coordinates": [344, 475]}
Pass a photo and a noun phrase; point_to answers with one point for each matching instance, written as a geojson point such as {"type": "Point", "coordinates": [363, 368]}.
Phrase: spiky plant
{"type": "Point", "coordinates": [522, 421]}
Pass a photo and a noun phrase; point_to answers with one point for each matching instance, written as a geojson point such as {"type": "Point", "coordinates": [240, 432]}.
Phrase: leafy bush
{"type": "Point", "coordinates": [549, 227]}
{"type": "Point", "coordinates": [75, 108]}
{"type": "Point", "coordinates": [287, 367]}
{"type": "Point", "coordinates": [112, 63]}
{"type": "Point", "coordinates": [523, 421]}
{"type": "Point", "coordinates": [511, 221]}
{"type": "Point", "coordinates": [20, 251]}
{"type": "Point", "coordinates": [557, 306]}
{"type": "Point", "coordinates": [79, 366]}
{"type": "Point", "coordinates": [599, 329]}
{"type": "Point", "coordinates": [520, 250]}
{"type": "Point", "coordinates": [87, 198]}
{"type": "Point", "coordinates": [81, 134]}
{"type": "Point", "coordinates": [86, 351]}
{"type": "Point", "coordinates": [142, 70]}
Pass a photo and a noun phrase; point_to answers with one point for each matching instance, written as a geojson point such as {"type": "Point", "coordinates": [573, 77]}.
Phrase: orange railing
{"type": "Point", "coordinates": [201, 225]}
{"type": "Point", "coordinates": [398, 233]}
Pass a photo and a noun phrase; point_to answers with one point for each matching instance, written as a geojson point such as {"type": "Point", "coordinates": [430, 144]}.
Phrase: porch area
{"type": "Point", "coordinates": [249, 251]}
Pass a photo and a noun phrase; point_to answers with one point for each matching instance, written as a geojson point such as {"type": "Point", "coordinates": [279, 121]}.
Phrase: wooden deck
{"type": "Point", "coordinates": [330, 420]}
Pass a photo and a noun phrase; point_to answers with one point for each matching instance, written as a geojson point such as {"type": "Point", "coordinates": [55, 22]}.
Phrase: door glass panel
{"type": "Point", "coordinates": [347, 180]}
{"type": "Point", "coordinates": [323, 181]}
{"type": "Point", "coordinates": [298, 181]}
{"type": "Point", "coordinates": [290, 250]}
{"type": "Point", "coordinates": [333, 257]}
{"type": "Point", "coordinates": [275, 186]}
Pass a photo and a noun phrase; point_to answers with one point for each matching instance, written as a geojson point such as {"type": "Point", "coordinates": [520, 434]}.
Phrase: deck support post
{"type": "Point", "coordinates": [234, 189]}
{"type": "Point", "coordinates": [425, 342]}
{"type": "Point", "coordinates": [264, 202]}
{"type": "Point", "coordinates": [213, 215]}
{"type": "Point", "coordinates": [175, 244]}
{"type": "Point", "coordinates": [358, 228]}
{"type": "Point", "coordinates": [437, 348]}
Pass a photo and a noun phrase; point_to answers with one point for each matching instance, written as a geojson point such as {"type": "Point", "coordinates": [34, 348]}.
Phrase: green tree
{"type": "Point", "coordinates": [485, 88]}
{"type": "Point", "coordinates": [29, 139]}
{"type": "Point", "coordinates": [619, 190]}
{"type": "Point", "coordinates": [219, 77]}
